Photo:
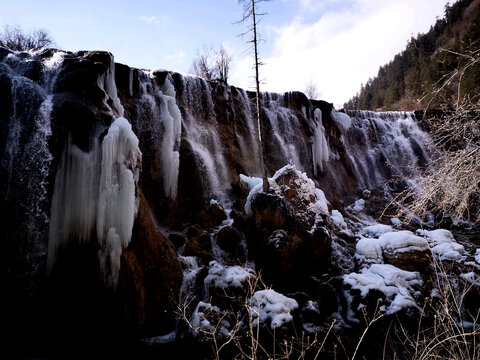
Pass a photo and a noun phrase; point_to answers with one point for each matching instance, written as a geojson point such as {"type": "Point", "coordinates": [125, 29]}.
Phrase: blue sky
{"type": "Point", "coordinates": [336, 44]}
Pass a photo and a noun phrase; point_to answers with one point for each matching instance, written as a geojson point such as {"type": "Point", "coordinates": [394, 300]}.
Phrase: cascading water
{"type": "Point", "coordinates": [382, 146]}
{"type": "Point", "coordinates": [286, 130]}
{"type": "Point", "coordinates": [27, 157]}
{"type": "Point", "coordinates": [202, 133]}
{"type": "Point", "coordinates": [246, 133]}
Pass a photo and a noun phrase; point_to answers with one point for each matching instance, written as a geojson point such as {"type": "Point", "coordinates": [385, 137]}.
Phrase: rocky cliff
{"type": "Point", "coordinates": [126, 192]}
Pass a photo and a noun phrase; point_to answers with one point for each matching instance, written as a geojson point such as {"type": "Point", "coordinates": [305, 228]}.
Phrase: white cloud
{"type": "Point", "coordinates": [164, 21]}
{"type": "Point", "coordinates": [342, 48]}
{"type": "Point", "coordinates": [150, 19]}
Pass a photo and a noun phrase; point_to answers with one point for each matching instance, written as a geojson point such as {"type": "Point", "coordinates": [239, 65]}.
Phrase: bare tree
{"type": "Point", "coordinates": [203, 65]}
{"type": "Point", "coordinates": [15, 39]}
{"type": "Point", "coordinates": [222, 64]}
{"type": "Point", "coordinates": [311, 90]}
{"type": "Point", "coordinates": [250, 14]}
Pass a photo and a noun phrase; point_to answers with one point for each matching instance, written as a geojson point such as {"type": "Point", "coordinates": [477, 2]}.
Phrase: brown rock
{"type": "Point", "coordinates": [228, 239]}
{"type": "Point", "coordinates": [200, 246]}
{"type": "Point", "coordinates": [150, 276]}
{"type": "Point", "coordinates": [410, 261]}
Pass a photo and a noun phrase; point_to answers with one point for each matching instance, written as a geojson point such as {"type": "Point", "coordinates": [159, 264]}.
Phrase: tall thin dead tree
{"type": "Point", "coordinates": [250, 14]}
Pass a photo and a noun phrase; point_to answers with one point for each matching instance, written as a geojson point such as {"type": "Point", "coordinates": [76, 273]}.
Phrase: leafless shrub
{"type": "Point", "coordinates": [14, 38]}
{"type": "Point", "coordinates": [203, 65]}
{"type": "Point", "coordinates": [311, 90]}
{"type": "Point", "coordinates": [446, 330]}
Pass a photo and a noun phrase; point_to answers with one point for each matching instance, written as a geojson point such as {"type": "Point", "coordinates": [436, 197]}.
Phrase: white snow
{"type": "Point", "coordinates": [402, 241]}
{"type": "Point", "coordinates": [376, 230]}
{"type": "Point", "coordinates": [477, 256]}
{"type": "Point", "coordinates": [398, 286]}
{"type": "Point", "coordinates": [471, 278]}
{"type": "Point", "coordinates": [443, 244]}
{"type": "Point", "coordinates": [396, 222]}
{"type": "Point", "coordinates": [271, 308]}
{"type": "Point", "coordinates": [338, 219]}
{"type": "Point", "coordinates": [359, 205]}
{"type": "Point", "coordinates": [369, 251]}
{"type": "Point", "coordinates": [221, 276]}
{"type": "Point", "coordinates": [304, 186]}
{"type": "Point", "coordinates": [203, 315]}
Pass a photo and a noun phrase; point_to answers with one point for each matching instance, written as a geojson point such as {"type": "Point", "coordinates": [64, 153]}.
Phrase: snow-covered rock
{"type": "Point", "coordinates": [443, 244]}
{"type": "Point", "coordinates": [399, 287]}
{"type": "Point", "coordinates": [271, 308]}
{"type": "Point", "coordinates": [221, 276]}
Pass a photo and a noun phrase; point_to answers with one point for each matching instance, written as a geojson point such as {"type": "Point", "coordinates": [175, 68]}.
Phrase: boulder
{"type": "Point", "coordinates": [290, 239]}
{"type": "Point", "coordinates": [228, 239]}
{"type": "Point", "coordinates": [200, 246]}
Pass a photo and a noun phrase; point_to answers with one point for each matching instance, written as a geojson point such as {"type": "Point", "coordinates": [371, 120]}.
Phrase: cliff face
{"type": "Point", "coordinates": [106, 170]}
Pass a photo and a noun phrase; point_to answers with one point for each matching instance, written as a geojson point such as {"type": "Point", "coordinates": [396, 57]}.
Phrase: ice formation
{"type": "Point", "coordinates": [164, 120]}
{"type": "Point", "coordinates": [343, 120]}
{"type": "Point", "coordinates": [271, 308]}
{"type": "Point", "coordinates": [320, 149]}
{"type": "Point", "coordinates": [95, 192]}
{"type": "Point", "coordinates": [117, 205]}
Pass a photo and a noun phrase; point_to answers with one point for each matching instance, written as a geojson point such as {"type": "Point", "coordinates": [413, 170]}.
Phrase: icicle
{"type": "Point", "coordinates": [320, 149]}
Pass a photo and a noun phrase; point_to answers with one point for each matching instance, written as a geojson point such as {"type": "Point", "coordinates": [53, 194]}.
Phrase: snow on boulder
{"type": "Point", "coordinates": [402, 241]}
{"type": "Point", "coordinates": [402, 249]}
{"type": "Point", "coordinates": [376, 230]}
{"type": "Point", "coordinates": [443, 244]}
{"type": "Point", "coordinates": [294, 186]}
{"type": "Point", "coordinates": [271, 308]}
{"type": "Point", "coordinates": [220, 276]}
{"type": "Point", "coordinates": [399, 287]}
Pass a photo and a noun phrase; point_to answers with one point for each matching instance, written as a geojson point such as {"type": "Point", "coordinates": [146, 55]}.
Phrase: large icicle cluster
{"type": "Point", "coordinates": [95, 190]}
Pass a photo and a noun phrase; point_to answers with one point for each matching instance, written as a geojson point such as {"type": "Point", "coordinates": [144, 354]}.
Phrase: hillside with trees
{"type": "Point", "coordinates": [435, 69]}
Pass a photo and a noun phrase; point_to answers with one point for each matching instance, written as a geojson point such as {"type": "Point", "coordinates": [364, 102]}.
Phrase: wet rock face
{"type": "Point", "coordinates": [150, 277]}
